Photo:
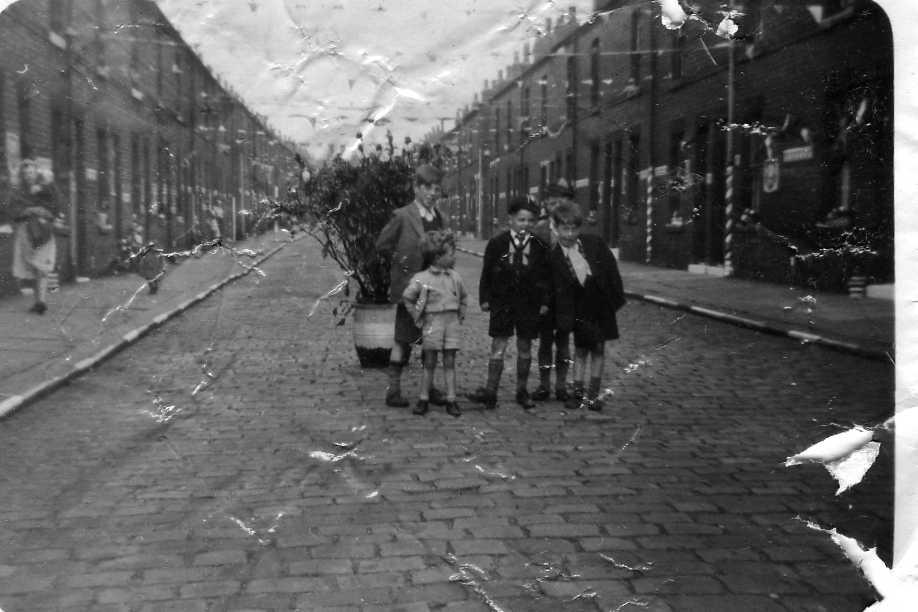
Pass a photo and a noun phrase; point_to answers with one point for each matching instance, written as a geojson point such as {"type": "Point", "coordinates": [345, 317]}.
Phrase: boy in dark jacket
{"type": "Point", "coordinates": [588, 292]}
{"type": "Point", "coordinates": [515, 288]}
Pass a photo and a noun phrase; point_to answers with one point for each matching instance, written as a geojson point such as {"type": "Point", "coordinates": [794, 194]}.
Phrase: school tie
{"type": "Point", "coordinates": [519, 248]}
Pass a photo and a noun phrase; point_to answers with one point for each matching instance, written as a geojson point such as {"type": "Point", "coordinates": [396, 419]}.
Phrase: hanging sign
{"type": "Point", "coordinates": [795, 154]}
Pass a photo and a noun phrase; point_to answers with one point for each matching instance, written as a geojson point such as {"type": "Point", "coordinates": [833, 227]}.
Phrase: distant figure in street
{"type": "Point", "coordinates": [34, 209]}
{"type": "Point", "coordinates": [587, 293]}
{"type": "Point", "coordinates": [515, 288]}
{"type": "Point", "coordinates": [400, 239]}
{"type": "Point", "coordinates": [554, 346]}
{"type": "Point", "coordinates": [437, 301]}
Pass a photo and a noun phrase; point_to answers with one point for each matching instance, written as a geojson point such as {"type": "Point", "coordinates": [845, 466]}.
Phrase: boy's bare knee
{"type": "Point", "coordinates": [499, 348]}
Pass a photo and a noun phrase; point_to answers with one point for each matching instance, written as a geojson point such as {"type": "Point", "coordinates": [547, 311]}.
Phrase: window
{"type": "Point", "coordinates": [594, 73]}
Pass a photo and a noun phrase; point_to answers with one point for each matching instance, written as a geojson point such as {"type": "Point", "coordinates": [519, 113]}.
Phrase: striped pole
{"type": "Point", "coordinates": [728, 226]}
{"type": "Point", "coordinates": [649, 232]}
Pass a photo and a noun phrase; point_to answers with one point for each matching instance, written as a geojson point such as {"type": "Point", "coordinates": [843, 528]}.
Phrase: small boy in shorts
{"type": "Point", "coordinates": [437, 300]}
{"type": "Point", "coordinates": [515, 288]}
{"type": "Point", "coordinates": [588, 292]}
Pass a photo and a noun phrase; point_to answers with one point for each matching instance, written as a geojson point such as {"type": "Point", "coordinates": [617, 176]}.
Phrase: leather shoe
{"type": "Point", "coordinates": [484, 396]}
{"type": "Point", "coordinates": [395, 400]}
{"type": "Point", "coordinates": [573, 401]}
{"type": "Point", "coordinates": [523, 399]}
{"type": "Point", "coordinates": [452, 409]}
{"type": "Point", "coordinates": [437, 397]}
{"type": "Point", "coordinates": [541, 394]}
{"type": "Point", "coordinates": [421, 408]}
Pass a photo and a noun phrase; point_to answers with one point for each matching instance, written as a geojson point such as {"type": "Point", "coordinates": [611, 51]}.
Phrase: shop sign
{"type": "Point", "coordinates": [795, 154]}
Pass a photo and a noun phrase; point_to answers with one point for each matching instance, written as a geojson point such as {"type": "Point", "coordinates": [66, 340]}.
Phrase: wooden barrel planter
{"type": "Point", "coordinates": [374, 329]}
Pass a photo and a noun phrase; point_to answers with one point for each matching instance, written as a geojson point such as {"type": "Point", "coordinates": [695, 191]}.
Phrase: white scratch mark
{"type": "Point", "coordinates": [643, 567]}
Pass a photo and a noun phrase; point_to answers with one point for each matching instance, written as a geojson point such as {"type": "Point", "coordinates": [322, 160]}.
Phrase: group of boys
{"type": "Point", "coordinates": [542, 278]}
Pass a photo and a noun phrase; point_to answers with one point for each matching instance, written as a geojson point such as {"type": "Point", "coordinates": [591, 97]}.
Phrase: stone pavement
{"type": "Point", "coordinates": [86, 322]}
{"type": "Point", "coordinates": [238, 458]}
{"type": "Point", "coordinates": [863, 326]}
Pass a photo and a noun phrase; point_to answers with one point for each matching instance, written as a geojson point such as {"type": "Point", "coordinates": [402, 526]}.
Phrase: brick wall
{"type": "Point", "coordinates": [794, 76]}
{"type": "Point", "coordinates": [110, 99]}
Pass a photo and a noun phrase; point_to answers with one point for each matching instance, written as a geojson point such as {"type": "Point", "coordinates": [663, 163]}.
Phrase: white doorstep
{"type": "Point", "coordinates": [882, 292]}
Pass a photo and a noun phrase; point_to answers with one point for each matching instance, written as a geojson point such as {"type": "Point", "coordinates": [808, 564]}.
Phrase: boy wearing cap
{"type": "Point", "coordinates": [515, 287]}
{"type": "Point", "coordinates": [401, 240]}
{"type": "Point", "coordinates": [554, 345]}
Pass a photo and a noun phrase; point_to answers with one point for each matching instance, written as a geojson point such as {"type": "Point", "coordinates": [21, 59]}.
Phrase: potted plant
{"type": "Point", "coordinates": [347, 203]}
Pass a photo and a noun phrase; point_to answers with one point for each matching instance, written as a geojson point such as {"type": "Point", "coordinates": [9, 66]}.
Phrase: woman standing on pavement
{"type": "Point", "coordinates": [34, 206]}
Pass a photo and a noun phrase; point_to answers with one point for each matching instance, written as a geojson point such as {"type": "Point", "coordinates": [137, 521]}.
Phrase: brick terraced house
{"type": "Point", "coordinates": [136, 129]}
{"type": "Point", "coordinates": [643, 122]}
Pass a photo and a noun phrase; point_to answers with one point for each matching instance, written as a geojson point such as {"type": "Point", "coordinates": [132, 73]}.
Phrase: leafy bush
{"type": "Point", "coordinates": [349, 204]}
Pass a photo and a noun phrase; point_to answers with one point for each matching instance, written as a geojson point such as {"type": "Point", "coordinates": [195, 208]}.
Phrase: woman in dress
{"type": "Point", "coordinates": [35, 206]}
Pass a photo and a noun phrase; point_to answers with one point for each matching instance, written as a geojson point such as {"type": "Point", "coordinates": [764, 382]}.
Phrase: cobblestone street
{"type": "Point", "coordinates": [238, 458]}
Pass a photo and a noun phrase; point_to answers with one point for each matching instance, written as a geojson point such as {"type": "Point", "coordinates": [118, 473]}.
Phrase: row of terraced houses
{"type": "Point", "coordinates": [136, 130]}
{"type": "Point", "coordinates": [766, 156]}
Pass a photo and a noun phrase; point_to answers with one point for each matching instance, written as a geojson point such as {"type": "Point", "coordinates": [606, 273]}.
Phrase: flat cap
{"type": "Point", "coordinates": [561, 189]}
{"type": "Point", "coordinates": [428, 174]}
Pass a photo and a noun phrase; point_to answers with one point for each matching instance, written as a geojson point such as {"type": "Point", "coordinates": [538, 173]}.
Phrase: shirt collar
{"type": "Point", "coordinates": [427, 214]}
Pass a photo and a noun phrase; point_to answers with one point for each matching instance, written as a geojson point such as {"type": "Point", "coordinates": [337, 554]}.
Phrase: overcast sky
{"type": "Point", "coordinates": [318, 68]}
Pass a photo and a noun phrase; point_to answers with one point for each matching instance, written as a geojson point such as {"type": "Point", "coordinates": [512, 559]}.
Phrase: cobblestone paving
{"type": "Point", "coordinates": [239, 459]}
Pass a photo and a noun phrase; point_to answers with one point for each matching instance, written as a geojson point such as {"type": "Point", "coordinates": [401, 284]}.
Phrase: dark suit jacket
{"type": "Point", "coordinates": [401, 240]}
{"type": "Point", "coordinates": [608, 281]}
{"type": "Point", "coordinates": [501, 285]}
